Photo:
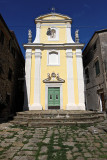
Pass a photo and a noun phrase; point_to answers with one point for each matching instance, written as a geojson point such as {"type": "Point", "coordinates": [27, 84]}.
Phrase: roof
{"type": "Point", "coordinates": [12, 34]}
{"type": "Point", "coordinates": [97, 32]}
{"type": "Point", "coordinates": [14, 37]}
{"type": "Point", "coordinates": [1, 18]}
{"type": "Point", "coordinates": [53, 14]}
{"type": "Point", "coordinates": [53, 17]}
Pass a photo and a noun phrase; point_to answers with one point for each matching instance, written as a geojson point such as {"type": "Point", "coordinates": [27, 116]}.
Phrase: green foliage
{"type": "Point", "coordinates": [103, 156]}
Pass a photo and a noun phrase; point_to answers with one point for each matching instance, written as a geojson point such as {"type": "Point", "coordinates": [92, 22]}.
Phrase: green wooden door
{"type": "Point", "coordinates": [53, 98]}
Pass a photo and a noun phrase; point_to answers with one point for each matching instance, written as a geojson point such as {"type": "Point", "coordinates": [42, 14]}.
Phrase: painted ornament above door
{"type": "Point", "coordinates": [53, 78]}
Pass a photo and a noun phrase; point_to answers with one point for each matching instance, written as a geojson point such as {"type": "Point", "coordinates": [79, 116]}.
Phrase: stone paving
{"type": "Point", "coordinates": [53, 143]}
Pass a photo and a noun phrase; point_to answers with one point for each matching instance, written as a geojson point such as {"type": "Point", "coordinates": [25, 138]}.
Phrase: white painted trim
{"type": "Point", "coordinates": [35, 106]}
{"type": "Point", "coordinates": [46, 94]}
{"type": "Point", "coordinates": [27, 78]}
{"type": "Point", "coordinates": [53, 25]}
{"type": "Point", "coordinates": [57, 35]}
{"type": "Point", "coordinates": [49, 51]}
{"type": "Point", "coordinates": [68, 33]}
{"type": "Point", "coordinates": [70, 80]}
{"type": "Point", "coordinates": [38, 29]}
{"type": "Point", "coordinates": [81, 90]}
{"type": "Point", "coordinates": [76, 107]}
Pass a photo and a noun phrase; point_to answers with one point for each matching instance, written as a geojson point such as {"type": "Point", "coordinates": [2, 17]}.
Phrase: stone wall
{"type": "Point", "coordinates": [11, 90]}
{"type": "Point", "coordinates": [96, 83]}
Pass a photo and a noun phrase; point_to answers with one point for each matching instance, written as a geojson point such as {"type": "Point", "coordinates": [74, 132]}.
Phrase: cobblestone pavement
{"type": "Point", "coordinates": [53, 143]}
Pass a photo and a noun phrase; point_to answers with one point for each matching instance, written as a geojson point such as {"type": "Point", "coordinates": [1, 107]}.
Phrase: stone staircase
{"type": "Point", "coordinates": [57, 117]}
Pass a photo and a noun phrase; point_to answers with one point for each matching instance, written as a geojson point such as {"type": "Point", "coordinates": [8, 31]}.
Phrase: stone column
{"type": "Point", "coordinates": [70, 80]}
{"type": "Point", "coordinates": [27, 79]}
{"type": "Point", "coordinates": [81, 105]}
{"type": "Point", "coordinates": [37, 83]}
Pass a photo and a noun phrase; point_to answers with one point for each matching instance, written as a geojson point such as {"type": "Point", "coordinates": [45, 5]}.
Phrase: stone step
{"type": "Point", "coordinates": [51, 123]}
{"type": "Point", "coordinates": [59, 115]}
{"type": "Point", "coordinates": [19, 123]}
{"type": "Point", "coordinates": [47, 124]}
{"type": "Point", "coordinates": [56, 117]}
{"type": "Point", "coordinates": [24, 119]}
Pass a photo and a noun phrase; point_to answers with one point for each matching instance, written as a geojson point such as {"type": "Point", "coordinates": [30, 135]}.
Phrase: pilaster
{"type": "Point", "coordinates": [70, 80]}
{"type": "Point", "coordinates": [27, 78]}
{"type": "Point", "coordinates": [37, 82]}
{"type": "Point", "coordinates": [80, 79]}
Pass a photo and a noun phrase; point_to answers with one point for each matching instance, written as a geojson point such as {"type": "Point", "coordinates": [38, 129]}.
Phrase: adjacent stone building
{"type": "Point", "coordinates": [53, 68]}
{"type": "Point", "coordinates": [95, 69]}
{"type": "Point", "coordinates": [11, 72]}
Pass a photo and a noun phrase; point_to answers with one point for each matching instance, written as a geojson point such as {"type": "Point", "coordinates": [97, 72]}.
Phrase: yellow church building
{"type": "Point", "coordinates": [53, 66]}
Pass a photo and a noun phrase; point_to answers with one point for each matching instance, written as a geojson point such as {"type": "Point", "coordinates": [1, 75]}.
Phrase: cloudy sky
{"type": "Point", "coordinates": [88, 16]}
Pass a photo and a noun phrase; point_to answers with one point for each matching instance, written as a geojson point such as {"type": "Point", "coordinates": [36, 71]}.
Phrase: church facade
{"type": "Point", "coordinates": [53, 68]}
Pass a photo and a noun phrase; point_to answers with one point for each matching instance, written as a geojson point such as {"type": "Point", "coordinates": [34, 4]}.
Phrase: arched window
{"type": "Point", "coordinates": [53, 58]}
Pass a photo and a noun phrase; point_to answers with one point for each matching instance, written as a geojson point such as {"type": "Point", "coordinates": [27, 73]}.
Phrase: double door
{"type": "Point", "coordinates": [53, 98]}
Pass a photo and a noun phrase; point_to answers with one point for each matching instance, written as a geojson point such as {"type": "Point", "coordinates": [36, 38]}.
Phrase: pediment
{"type": "Point", "coordinates": [53, 16]}
{"type": "Point", "coordinates": [53, 78]}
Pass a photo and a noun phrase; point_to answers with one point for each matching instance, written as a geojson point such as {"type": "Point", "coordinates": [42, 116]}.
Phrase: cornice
{"type": "Point", "coordinates": [53, 21]}
{"type": "Point", "coordinates": [50, 46]}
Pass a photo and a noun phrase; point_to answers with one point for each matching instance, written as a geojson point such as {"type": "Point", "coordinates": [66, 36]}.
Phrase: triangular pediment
{"type": "Point", "coordinates": [53, 16]}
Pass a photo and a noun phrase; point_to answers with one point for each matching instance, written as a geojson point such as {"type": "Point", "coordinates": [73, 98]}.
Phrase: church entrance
{"type": "Point", "coordinates": [53, 97]}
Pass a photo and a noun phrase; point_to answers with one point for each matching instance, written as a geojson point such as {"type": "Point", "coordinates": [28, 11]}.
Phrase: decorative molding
{"type": "Point", "coordinates": [38, 25]}
{"type": "Point", "coordinates": [56, 46]}
{"type": "Point", "coordinates": [53, 78]}
{"type": "Point", "coordinates": [38, 54]}
{"type": "Point", "coordinates": [56, 51]}
{"type": "Point", "coordinates": [53, 25]}
{"type": "Point", "coordinates": [28, 53]}
{"type": "Point", "coordinates": [57, 35]}
{"type": "Point", "coordinates": [54, 21]}
{"type": "Point", "coordinates": [69, 53]}
{"type": "Point", "coordinates": [78, 53]}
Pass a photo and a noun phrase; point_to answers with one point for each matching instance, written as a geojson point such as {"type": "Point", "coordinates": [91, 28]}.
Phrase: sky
{"type": "Point", "coordinates": [87, 15]}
